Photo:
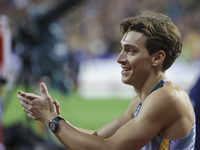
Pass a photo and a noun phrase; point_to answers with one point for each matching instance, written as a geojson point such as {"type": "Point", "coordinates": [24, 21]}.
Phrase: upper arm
{"type": "Point", "coordinates": [152, 117]}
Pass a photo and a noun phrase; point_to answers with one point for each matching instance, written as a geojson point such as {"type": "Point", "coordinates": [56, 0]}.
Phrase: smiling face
{"type": "Point", "coordinates": [134, 58]}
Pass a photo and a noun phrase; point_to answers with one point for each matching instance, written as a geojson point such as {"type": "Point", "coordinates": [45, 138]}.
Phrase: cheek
{"type": "Point", "coordinates": [141, 65]}
{"type": "Point", "coordinates": [139, 62]}
{"type": "Point", "coordinates": [145, 67]}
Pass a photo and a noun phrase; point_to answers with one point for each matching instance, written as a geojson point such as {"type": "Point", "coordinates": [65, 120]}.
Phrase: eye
{"type": "Point", "coordinates": [130, 50]}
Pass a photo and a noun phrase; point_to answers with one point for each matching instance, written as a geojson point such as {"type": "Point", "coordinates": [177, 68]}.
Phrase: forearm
{"type": "Point", "coordinates": [109, 129]}
{"type": "Point", "coordinates": [91, 132]}
{"type": "Point", "coordinates": [76, 140]}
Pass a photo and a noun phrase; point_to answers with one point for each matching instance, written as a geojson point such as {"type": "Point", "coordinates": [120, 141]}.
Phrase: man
{"type": "Point", "coordinates": [159, 117]}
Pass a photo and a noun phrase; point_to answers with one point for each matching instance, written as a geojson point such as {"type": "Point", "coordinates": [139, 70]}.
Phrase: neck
{"type": "Point", "coordinates": [148, 86]}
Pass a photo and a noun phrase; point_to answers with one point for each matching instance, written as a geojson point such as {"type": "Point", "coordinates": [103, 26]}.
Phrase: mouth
{"type": "Point", "coordinates": [125, 70]}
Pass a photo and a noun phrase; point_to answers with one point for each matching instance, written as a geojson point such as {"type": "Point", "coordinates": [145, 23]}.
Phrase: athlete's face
{"type": "Point", "coordinates": [134, 58]}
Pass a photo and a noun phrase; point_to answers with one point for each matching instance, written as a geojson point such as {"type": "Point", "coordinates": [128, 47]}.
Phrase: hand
{"type": "Point", "coordinates": [39, 108]}
{"type": "Point", "coordinates": [32, 96]}
{"type": "Point", "coordinates": [56, 103]}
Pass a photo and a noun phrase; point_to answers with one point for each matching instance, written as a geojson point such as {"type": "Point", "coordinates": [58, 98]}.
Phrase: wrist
{"type": "Point", "coordinates": [50, 117]}
{"type": "Point", "coordinates": [53, 124]}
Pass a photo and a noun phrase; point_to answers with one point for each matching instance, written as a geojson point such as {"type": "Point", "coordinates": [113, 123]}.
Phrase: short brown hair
{"type": "Point", "coordinates": [161, 34]}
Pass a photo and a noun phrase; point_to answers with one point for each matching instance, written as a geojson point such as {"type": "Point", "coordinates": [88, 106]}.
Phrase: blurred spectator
{"type": "Point", "coordinates": [195, 97]}
{"type": "Point", "coordinates": [40, 42]}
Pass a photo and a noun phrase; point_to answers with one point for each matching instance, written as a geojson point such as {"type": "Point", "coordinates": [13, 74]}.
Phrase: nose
{"type": "Point", "coordinates": [121, 59]}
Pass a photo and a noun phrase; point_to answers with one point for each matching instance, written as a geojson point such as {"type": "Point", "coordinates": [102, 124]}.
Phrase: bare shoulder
{"type": "Point", "coordinates": [170, 93]}
{"type": "Point", "coordinates": [173, 94]}
{"type": "Point", "coordinates": [182, 110]}
{"type": "Point", "coordinates": [179, 98]}
{"type": "Point", "coordinates": [169, 101]}
{"type": "Point", "coordinates": [171, 107]}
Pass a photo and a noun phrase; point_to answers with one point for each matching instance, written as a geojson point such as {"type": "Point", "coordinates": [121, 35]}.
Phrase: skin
{"type": "Point", "coordinates": [166, 112]}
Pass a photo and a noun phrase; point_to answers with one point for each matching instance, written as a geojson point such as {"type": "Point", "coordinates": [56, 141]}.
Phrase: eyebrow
{"type": "Point", "coordinates": [129, 45]}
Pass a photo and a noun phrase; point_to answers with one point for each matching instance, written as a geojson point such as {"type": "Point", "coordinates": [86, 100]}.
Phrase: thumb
{"type": "Point", "coordinates": [43, 90]}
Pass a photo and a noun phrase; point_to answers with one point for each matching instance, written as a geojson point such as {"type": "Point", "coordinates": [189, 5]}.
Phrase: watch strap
{"type": "Point", "coordinates": [58, 118]}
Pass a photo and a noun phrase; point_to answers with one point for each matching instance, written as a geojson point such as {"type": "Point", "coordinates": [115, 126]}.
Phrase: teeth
{"type": "Point", "coordinates": [126, 69]}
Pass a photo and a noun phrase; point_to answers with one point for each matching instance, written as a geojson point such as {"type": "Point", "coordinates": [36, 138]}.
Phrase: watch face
{"type": "Point", "coordinates": [52, 125]}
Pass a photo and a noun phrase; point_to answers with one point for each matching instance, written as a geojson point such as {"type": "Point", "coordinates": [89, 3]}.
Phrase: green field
{"type": "Point", "coordinates": [89, 114]}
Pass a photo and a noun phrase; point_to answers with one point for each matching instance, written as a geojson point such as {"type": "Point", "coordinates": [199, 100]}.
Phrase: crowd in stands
{"type": "Point", "coordinates": [94, 26]}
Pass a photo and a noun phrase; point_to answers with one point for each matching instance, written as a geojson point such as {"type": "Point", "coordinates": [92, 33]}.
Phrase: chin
{"type": "Point", "coordinates": [126, 82]}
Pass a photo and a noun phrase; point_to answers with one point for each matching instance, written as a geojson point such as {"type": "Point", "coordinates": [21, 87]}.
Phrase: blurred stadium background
{"type": "Point", "coordinates": [72, 46]}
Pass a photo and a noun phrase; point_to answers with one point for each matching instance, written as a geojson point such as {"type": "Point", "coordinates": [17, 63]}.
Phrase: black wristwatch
{"type": "Point", "coordinates": [53, 124]}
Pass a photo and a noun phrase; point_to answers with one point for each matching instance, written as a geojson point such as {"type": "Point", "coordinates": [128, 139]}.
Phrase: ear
{"type": "Point", "coordinates": [158, 58]}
